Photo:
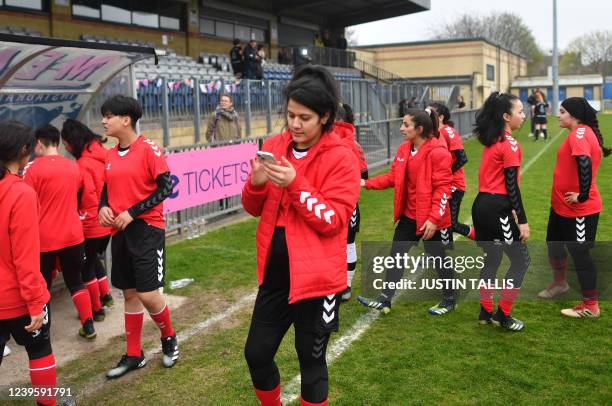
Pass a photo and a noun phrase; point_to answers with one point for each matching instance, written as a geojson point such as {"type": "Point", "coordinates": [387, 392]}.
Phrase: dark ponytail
{"type": "Point", "coordinates": [442, 110]}
{"type": "Point", "coordinates": [490, 125]}
{"type": "Point", "coordinates": [426, 120]}
{"type": "Point", "coordinates": [581, 110]}
{"type": "Point", "coordinates": [79, 136]}
{"type": "Point", "coordinates": [16, 141]}
{"type": "Point", "coordinates": [595, 127]}
{"type": "Point", "coordinates": [345, 113]}
{"type": "Point", "coordinates": [314, 86]}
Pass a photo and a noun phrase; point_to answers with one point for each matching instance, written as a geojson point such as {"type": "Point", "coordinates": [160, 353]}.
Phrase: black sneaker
{"type": "Point", "coordinates": [125, 365]}
{"type": "Point", "coordinates": [170, 350]}
{"type": "Point", "coordinates": [345, 294]}
{"type": "Point", "coordinates": [485, 316]}
{"type": "Point", "coordinates": [107, 301]}
{"type": "Point", "coordinates": [383, 306]}
{"type": "Point", "coordinates": [99, 315]}
{"type": "Point", "coordinates": [507, 322]}
{"type": "Point", "coordinates": [87, 330]}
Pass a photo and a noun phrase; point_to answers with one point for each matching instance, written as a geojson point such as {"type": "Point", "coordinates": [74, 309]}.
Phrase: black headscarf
{"type": "Point", "coordinates": [581, 110]}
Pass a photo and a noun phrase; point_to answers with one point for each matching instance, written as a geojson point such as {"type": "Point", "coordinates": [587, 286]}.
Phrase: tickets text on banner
{"type": "Point", "coordinates": [207, 175]}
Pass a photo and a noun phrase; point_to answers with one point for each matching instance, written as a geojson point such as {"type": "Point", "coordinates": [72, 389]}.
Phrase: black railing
{"type": "Point", "coordinates": [323, 56]}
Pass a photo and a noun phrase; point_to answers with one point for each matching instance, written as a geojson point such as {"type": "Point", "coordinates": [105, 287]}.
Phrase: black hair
{"type": "Point", "coordinates": [345, 113]}
{"type": "Point", "coordinates": [581, 110]}
{"type": "Point", "coordinates": [314, 87]}
{"type": "Point", "coordinates": [442, 110]}
{"type": "Point", "coordinates": [79, 136]}
{"type": "Point", "coordinates": [490, 125]}
{"type": "Point", "coordinates": [120, 105]}
{"type": "Point", "coordinates": [48, 135]}
{"type": "Point", "coordinates": [16, 141]}
{"type": "Point", "coordinates": [425, 120]}
{"type": "Point", "coordinates": [236, 41]}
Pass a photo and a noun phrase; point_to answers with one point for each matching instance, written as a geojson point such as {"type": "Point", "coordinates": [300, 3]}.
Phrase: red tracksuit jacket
{"type": "Point", "coordinates": [22, 287]}
{"type": "Point", "coordinates": [91, 165]}
{"type": "Point", "coordinates": [346, 131]}
{"type": "Point", "coordinates": [323, 196]}
{"type": "Point", "coordinates": [433, 185]}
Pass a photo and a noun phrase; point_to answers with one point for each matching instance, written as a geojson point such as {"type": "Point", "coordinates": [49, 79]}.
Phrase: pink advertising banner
{"type": "Point", "coordinates": [207, 175]}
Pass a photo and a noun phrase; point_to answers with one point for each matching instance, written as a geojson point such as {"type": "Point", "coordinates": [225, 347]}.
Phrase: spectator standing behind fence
{"type": "Point", "coordinates": [342, 43]}
{"type": "Point", "coordinates": [224, 122]}
{"type": "Point", "coordinates": [250, 60]}
{"type": "Point", "coordinates": [236, 59]}
{"type": "Point", "coordinates": [460, 102]}
{"type": "Point", "coordinates": [261, 61]}
{"type": "Point", "coordinates": [318, 41]}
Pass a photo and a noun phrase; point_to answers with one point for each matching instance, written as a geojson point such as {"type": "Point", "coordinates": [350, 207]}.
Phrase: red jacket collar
{"type": "Point", "coordinates": [329, 139]}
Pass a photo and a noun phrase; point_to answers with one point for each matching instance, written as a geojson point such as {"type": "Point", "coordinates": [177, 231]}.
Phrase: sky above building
{"type": "Point", "coordinates": [575, 18]}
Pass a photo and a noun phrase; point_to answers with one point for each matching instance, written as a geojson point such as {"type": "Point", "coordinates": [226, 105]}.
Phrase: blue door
{"type": "Point", "coordinates": [588, 92]}
{"type": "Point", "coordinates": [562, 93]}
{"type": "Point", "coordinates": [523, 94]}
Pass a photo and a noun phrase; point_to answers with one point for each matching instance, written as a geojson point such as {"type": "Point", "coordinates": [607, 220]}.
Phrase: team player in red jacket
{"type": "Point", "coordinates": [305, 200]}
{"type": "Point", "coordinates": [86, 147]}
{"type": "Point", "coordinates": [137, 181]}
{"type": "Point", "coordinates": [576, 204]}
{"type": "Point", "coordinates": [459, 159]}
{"type": "Point", "coordinates": [421, 177]}
{"type": "Point", "coordinates": [57, 182]}
{"type": "Point", "coordinates": [497, 204]}
{"type": "Point", "coordinates": [346, 130]}
{"type": "Point", "coordinates": [24, 310]}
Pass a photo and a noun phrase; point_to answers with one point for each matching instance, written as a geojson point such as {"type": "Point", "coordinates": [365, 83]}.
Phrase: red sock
{"type": "Point", "coordinates": [42, 374]}
{"type": "Point", "coordinates": [589, 297]}
{"type": "Point", "coordinates": [82, 302]}
{"type": "Point", "coordinates": [94, 294]}
{"type": "Point", "coordinates": [558, 266]}
{"type": "Point", "coordinates": [103, 286]}
{"type": "Point", "coordinates": [133, 332]}
{"type": "Point", "coordinates": [307, 403]}
{"type": "Point", "coordinates": [486, 299]}
{"type": "Point", "coordinates": [162, 319]}
{"type": "Point", "coordinates": [269, 397]}
{"type": "Point", "coordinates": [506, 300]}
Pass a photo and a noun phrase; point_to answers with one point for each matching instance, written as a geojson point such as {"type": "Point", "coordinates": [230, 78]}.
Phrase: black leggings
{"type": "Point", "coordinates": [455, 206]}
{"type": "Point", "coordinates": [93, 267]}
{"type": "Point", "coordinates": [497, 233]}
{"type": "Point", "coordinates": [71, 260]}
{"type": "Point", "coordinates": [577, 234]}
{"type": "Point", "coordinates": [404, 238]}
{"type": "Point", "coordinates": [313, 320]}
{"type": "Point", "coordinates": [37, 343]}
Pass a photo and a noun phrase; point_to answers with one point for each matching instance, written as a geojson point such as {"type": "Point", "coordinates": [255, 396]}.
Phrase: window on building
{"type": "Point", "coordinates": [151, 14]}
{"type": "Point", "coordinates": [258, 35]}
{"type": "Point", "coordinates": [116, 11]}
{"type": "Point", "coordinates": [207, 26]}
{"type": "Point", "coordinates": [490, 72]}
{"type": "Point", "coordinates": [86, 8]}
{"type": "Point", "coordinates": [588, 92]}
{"type": "Point", "coordinates": [242, 32]}
{"type": "Point", "coordinates": [225, 30]}
{"type": "Point", "coordinates": [35, 5]}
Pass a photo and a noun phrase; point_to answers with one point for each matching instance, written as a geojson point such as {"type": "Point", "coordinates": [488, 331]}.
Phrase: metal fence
{"type": "Point", "coordinates": [177, 104]}
{"type": "Point", "coordinates": [379, 140]}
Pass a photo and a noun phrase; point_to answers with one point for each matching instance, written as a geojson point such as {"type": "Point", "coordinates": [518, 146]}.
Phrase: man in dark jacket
{"type": "Point", "coordinates": [250, 60]}
{"type": "Point", "coordinates": [236, 58]}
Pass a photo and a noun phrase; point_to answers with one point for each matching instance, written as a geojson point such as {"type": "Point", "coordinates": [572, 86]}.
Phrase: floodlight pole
{"type": "Point", "coordinates": [555, 63]}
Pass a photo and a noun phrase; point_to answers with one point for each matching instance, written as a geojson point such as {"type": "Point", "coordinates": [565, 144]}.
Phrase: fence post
{"type": "Point", "coordinates": [269, 106]}
{"type": "Point", "coordinates": [388, 124]}
{"type": "Point", "coordinates": [247, 116]}
{"type": "Point", "coordinates": [358, 133]}
{"type": "Point", "coordinates": [165, 112]}
{"type": "Point", "coordinates": [196, 106]}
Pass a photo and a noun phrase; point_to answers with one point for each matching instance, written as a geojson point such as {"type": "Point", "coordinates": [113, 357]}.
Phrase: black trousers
{"type": "Point", "coordinates": [313, 320]}
{"type": "Point", "coordinates": [404, 238]}
{"type": "Point", "coordinates": [72, 260]}
{"type": "Point", "coordinates": [94, 249]}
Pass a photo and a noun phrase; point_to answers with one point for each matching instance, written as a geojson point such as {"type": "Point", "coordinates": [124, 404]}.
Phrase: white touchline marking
{"type": "Point", "coordinates": [98, 381]}
{"type": "Point", "coordinates": [364, 322]}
